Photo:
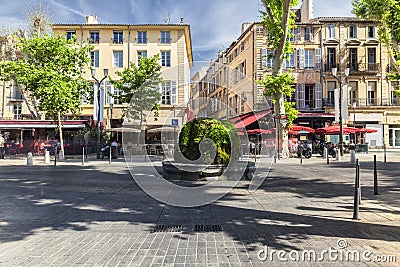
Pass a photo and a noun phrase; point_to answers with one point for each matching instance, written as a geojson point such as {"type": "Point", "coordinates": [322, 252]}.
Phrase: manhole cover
{"type": "Point", "coordinates": [207, 228]}
{"type": "Point", "coordinates": [168, 228]}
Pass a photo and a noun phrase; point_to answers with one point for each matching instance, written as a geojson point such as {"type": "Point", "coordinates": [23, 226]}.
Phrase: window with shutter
{"type": "Point", "coordinates": [298, 34]}
{"type": "Point", "coordinates": [263, 58]}
{"type": "Point", "coordinates": [270, 60]}
{"type": "Point", "coordinates": [308, 34]}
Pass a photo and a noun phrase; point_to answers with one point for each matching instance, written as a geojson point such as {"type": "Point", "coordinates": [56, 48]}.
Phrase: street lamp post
{"type": "Point", "coordinates": [99, 104]}
{"type": "Point", "coordinates": [340, 79]}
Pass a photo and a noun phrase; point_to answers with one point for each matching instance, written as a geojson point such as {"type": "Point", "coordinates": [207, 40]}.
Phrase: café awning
{"type": "Point", "coordinates": [40, 124]}
{"type": "Point", "coordinates": [248, 118]}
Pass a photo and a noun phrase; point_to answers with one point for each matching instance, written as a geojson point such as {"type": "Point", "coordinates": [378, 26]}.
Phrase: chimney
{"type": "Point", "coordinates": [181, 21]}
{"type": "Point", "coordinates": [91, 19]}
{"type": "Point", "coordinates": [306, 10]}
{"type": "Point", "coordinates": [245, 26]}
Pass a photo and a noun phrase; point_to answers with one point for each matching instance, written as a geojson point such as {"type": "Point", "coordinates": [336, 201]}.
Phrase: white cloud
{"type": "Point", "coordinates": [11, 24]}
{"type": "Point", "coordinates": [66, 8]}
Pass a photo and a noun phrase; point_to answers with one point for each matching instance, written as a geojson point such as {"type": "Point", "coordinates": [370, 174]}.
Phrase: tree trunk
{"type": "Point", "coordinates": [279, 106]}
{"type": "Point", "coordinates": [61, 136]}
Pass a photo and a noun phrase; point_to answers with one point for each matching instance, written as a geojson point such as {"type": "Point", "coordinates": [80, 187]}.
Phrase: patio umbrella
{"type": "Point", "coordinates": [301, 128]}
{"type": "Point", "coordinates": [292, 132]}
{"type": "Point", "coordinates": [259, 131]}
{"type": "Point", "coordinates": [365, 130]}
{"type": "Point", "coordinates": [335, 129]}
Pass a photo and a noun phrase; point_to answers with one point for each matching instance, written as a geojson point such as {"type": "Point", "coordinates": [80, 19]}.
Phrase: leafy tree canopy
{"type": "Point", "coordinates": [50, 73]}
{"type": "Point", "coordinates": [387, 14]}
{"type": "Point", "coordinates": [279, 21]}
{"type": "Point", "coordinates": [140, 86]}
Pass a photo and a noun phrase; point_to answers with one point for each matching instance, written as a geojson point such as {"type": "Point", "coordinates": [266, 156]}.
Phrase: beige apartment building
{"type": "Point", "coordinates": [320, 44]}
{"type": "Point", "coordinates": [117, 46]}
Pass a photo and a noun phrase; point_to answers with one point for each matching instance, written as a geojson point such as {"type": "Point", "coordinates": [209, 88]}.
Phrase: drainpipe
{"type": "Point", "coordinates": [129, 47]}
{"type": "Point", "coordinates": [4, 99]}
{"type": "Point", "coordinates": [81, 35]}
{"type": "Point", "coordinates": [380, 62]}
{"type": "Point", "coordinates": [321, 79]}
{"type": "Point", "coordinates": [253, 69]}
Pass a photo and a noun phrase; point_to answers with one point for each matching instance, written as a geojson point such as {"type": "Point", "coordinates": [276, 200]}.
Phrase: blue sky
{"type": "Point", "coordinates": [214, 23]}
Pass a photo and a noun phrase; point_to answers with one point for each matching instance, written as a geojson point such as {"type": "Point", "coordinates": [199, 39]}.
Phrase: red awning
{"type": "Point", "coordinates": [248, 118]}
{"type": "Point", "coordinates": [320, 115]}
{"type": "Point", "coordinates": [29, 124]}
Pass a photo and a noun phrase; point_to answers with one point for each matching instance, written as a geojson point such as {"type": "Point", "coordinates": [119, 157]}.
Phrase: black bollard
{"type": "Point", "coordinates": [357, 192]}
{"type": "Point", "coordinates": [384, 153]}
{"type": "Point", "coordinates": [301, 155]}
{"type": "Point", "coordinates": [109, 156]}
{"type": "Point", "coordinates": [375, 178]}
{"type": "Point", "coordinates": [327, 156]}
{"type": "Point", "coordinates": [55, 155]}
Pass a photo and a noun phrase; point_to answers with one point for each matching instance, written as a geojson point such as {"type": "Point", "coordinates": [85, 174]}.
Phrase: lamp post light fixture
{"type": "Point", "coordinates": [340, 79]}
{"type": "Point", "coordinates": [98, 104]}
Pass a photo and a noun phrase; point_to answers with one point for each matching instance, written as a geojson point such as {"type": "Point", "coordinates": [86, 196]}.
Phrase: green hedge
{"type": "Point", "coordinates": [223, 133]}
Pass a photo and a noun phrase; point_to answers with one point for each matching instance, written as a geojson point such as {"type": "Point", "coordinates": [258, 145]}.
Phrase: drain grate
{"type": "Point", "coordinates": [168, 228]}
{"type": "Point", "coordinates": [208, 228]}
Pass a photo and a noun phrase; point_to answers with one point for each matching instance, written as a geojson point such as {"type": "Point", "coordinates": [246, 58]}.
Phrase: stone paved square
{"type": "Point", "coordinates": [96, 215]}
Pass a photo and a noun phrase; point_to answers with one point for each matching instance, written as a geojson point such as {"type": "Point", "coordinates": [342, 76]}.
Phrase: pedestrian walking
{"type": "Point", "coordinates": [1, 147]}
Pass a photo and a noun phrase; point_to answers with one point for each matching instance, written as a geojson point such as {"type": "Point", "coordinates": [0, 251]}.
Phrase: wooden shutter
{"type": "Point", "coordinates": [318, 58]}
{"type": "Point", "coordinates": [300, 95]}
{"type": "Point", "coordinates": [318, 95]}
{"type": "Point", "coordinates": [174, 93]}
{"type": "Point", "coordinates": [301, 58]}
{"type": "Point", "coordinates": [311, 34]}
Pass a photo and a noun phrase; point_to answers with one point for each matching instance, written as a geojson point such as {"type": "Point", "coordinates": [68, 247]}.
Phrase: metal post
{"type": "Point", "coordinates": [327, 155]}
{"type": "Point", "coordinates": [375, 178]}
{"type": "Point", "coordinates": [99, 104]}
{"type": "Point", "coordinates": [340, 119]}
{"type": "Point", "coordinates": [55, 155]}
{"type": "Point", "coordinates": [83, 156]}
{"type": "Point", "coordinates": [301, 155]}
{"type": "Point", "coordinates": [356, 207]}
{"type": "Point", "coordinates": [109, 155]}
{"type": "Point", "coordinates": [384, 152]}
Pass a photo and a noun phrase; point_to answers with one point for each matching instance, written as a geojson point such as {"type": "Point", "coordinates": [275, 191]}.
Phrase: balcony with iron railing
{"type": "Point", "coordinates": [365, 102]}
{"type": "Point", "coordinates": [364, 67]}
{"type": "Point", "coordinates": [329, 66]}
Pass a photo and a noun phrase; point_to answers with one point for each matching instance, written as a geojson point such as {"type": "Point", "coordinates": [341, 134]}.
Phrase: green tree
{"type": "Point", "coordinates": [50, 74]}
{"type": "Point", "coordinates": [386, 13]}
{"type": "Point", "coordinates": [278, 20]}
{"type": "Point", "coordinates": [218, 136]}
{"type": "Point", "coordinates": [140, 86]}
